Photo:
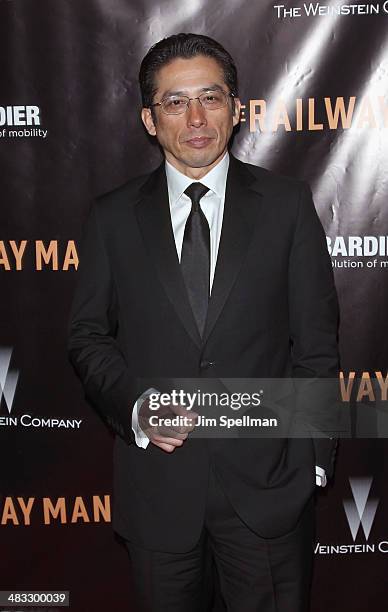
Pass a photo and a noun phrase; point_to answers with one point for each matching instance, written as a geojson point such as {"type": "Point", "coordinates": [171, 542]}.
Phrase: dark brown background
{"type": "Point", "coordinates": [78, 62]}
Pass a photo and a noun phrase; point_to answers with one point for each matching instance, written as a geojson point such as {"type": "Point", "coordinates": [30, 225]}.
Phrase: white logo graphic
{"type": "Point", "coordinates": [360, 510]}
{"type": "Point", "coordinates": [8, 378]}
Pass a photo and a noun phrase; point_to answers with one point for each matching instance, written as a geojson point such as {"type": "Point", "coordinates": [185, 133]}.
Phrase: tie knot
{"type": "Point", "coordinates": [196, 191]}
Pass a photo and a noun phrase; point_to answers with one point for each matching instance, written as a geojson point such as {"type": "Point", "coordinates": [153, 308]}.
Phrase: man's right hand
{"type": "Point", "coordinates": [168, 438]}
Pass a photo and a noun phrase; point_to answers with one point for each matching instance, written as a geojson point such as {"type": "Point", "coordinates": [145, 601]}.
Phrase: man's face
{"type": "Point", "coordinates": [196, 140]}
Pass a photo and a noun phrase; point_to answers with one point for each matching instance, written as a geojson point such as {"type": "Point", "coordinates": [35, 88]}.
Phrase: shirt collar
{"type": "Point", "coordinates": [215, 180]}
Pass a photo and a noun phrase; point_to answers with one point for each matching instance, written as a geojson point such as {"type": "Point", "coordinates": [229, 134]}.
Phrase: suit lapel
{"type": "Point", "coordinates": [153, 215]}
{"type": "Point", "coordinates": [243, 201]}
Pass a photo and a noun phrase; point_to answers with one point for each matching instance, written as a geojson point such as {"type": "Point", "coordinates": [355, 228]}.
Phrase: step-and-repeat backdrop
{"type": "Point", "coordinates": [314, 89]}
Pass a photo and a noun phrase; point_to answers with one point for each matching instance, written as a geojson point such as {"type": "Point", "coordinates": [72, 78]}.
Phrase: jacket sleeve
{"type": "Point", "coordinates": [314, 315]}
{"type": "Point", "coordinates": [92, 346]}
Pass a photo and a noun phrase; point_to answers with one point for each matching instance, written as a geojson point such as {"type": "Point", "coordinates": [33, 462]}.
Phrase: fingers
{"type": "Point", "coordinates": [170, 423]}
{"type": "Point", "coordinates": [187, 422]}
{"type": "Point", "coordinates": [182, 411]}
{"type": "Point", "coordinates": [167, 440]}
{"type": "Point", "coordinates": [166, 447]}
{"type": "Point", "coordinates": [176, 431]}
{"type": "Point", "coordinates": [165, 433]}
{"type": "Point", "coordinates": [166, 444]}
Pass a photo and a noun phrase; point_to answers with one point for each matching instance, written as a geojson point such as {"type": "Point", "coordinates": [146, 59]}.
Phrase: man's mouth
{"type": "Point", "coordinates": [198, 142]}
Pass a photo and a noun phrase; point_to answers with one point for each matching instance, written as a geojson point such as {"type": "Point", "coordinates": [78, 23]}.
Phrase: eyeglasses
{"type": "Point", "coordinates": [209, 100]}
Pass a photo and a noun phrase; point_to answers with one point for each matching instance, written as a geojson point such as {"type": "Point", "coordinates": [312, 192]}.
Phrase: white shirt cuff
{"type": "Point", "coordinates": [320, 476]}
{"type": "Point", "coordinates": [140, 437]}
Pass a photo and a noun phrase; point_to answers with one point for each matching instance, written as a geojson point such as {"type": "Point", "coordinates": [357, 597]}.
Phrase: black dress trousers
{"type": "Point", "coordinates": [255, 574]}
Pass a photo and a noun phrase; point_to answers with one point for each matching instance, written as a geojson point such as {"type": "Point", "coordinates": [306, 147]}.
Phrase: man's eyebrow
{"type": "Point", "coordinates": [212, 87]}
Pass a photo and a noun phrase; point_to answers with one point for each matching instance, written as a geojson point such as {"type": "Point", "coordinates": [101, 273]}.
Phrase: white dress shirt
{"type": "Point", "coordinates": [212, 205]}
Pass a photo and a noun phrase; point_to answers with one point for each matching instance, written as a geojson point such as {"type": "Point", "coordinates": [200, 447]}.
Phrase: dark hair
{"type": "Point", "coordinates": [183, 46]}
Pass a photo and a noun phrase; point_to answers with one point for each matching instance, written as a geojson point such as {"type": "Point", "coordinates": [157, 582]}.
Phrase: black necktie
{"type": "Point", "coordinates": [195, 257]}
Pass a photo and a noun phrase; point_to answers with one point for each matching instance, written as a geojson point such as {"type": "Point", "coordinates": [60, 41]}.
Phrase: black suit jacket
{"type": "Point", "coordinates": [272, 314]}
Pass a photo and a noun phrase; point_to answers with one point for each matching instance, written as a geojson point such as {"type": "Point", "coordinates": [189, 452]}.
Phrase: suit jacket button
{"type": "Point", "coordinates": [204, 365]}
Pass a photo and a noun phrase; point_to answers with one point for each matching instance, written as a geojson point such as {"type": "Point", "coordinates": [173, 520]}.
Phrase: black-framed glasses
{"type": "Point", "coordinates": [210, 100]}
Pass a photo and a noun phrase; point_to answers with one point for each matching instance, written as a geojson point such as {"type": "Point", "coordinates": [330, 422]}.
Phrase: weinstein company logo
{"type": "Point", "coordinates": [360, 512]}
{"type": "Point", "coordinates": [8, 379]}
{"type": "Point", "coordinates": [8, 384]}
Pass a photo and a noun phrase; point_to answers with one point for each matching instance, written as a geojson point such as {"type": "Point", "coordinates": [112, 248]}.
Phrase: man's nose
{"type": "Point", "coordinates": [196, 114]}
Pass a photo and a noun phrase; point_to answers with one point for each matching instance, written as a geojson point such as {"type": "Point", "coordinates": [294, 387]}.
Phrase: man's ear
{"type": "Point", "coordinates": [146, 117]}
{"type": "Point", "coordinates": [237, 111]}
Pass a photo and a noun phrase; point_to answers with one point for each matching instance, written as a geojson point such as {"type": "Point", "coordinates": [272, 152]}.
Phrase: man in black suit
{"type": "Point", "coordinates": [205, 224]}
